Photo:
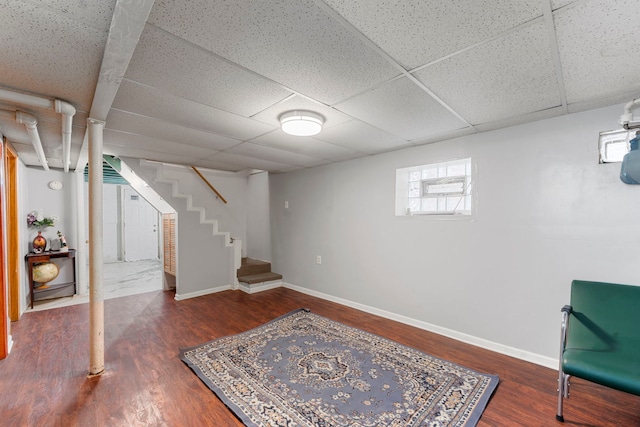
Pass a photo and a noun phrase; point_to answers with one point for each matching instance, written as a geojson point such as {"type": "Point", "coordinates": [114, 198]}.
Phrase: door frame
{"type": "Point", "coordinates": [14, 261]}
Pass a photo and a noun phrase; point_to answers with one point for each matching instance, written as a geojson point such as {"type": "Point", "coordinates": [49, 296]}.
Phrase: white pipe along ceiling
{"type": "Point", "coordinates": [62, 107]}
{"type": "Point", "coordinates": [31, 124]}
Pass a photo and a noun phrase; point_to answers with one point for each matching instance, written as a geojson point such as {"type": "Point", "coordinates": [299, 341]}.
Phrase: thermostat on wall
{"type": "Point", "coordinates": [55, 185]}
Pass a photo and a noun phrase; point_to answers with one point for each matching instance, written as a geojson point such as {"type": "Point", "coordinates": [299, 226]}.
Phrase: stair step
{"type": "Point", "coordinates": [252, 266]}
{"type": "Point", "coordinates": [259, 278]}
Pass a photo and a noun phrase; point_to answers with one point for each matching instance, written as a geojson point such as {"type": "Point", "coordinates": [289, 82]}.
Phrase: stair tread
{"type": "Point", "coordinates": [251, 261]}
{"type": "Point", "coordinates": [258, 278]}
{"type": "Point", "coordinates": [252, 266]}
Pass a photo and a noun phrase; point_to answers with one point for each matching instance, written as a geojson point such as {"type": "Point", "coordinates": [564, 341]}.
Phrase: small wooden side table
{"type": "Point", "coordinates": [33, 259]}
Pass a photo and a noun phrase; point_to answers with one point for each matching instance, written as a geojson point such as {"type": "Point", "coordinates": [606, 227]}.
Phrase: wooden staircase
{"type": "Point", "coordinates": [256, 272]}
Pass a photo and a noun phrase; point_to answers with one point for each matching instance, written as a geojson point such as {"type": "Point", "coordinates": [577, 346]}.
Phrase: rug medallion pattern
{"type": "Point", "coordinates": [306, 370]}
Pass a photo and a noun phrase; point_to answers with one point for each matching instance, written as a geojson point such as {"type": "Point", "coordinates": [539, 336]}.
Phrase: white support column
{"type": "Point", "coordinates": [96, 291]}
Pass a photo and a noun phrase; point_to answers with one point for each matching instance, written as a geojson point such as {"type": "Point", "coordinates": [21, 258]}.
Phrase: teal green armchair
{"type": "Point", "coordinates": [600, 338]}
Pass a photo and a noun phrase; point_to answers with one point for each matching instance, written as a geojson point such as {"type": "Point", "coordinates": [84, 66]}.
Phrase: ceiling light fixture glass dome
{"type": "Point", "coordinates": [301, 123]}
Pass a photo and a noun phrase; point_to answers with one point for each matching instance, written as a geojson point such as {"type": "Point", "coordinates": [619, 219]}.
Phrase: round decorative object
{"type": "Point", "coordinates": [55, 185]}
{"type": "Point", "coordinates": [39, 243]}
{"type": "Point", "coordinates": [45, 272]}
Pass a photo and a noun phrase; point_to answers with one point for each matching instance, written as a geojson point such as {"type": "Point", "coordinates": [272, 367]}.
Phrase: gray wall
{"type": "Point", "coordinates": [546, 213]}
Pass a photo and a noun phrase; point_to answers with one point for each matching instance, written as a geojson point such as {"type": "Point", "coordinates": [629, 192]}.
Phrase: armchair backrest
{"type": "Point", "coordinates": [606, 311]}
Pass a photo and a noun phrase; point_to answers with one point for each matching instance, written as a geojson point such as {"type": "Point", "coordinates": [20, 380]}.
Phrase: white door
{"type": "Point", "coordinates": [140, 227]}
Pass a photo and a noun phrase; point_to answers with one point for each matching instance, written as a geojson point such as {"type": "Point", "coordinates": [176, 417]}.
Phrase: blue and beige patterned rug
{"type": "Point", "coordinates": [303, 369]}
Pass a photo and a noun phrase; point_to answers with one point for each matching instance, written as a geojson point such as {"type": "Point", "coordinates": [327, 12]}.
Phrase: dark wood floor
{"type": "Point", "coordinates": [44, 380]}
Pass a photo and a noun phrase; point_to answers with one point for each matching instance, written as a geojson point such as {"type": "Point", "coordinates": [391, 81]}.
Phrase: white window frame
{"type": "Point", "coordinates": [614, 144]}
{"type": "Point", "coordinates": [437, 188]}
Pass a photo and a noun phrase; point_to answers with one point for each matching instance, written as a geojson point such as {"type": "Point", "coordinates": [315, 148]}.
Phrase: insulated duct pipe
{"type": "Point", "coordinates": [67, 110]}
{"type": "Point", "coordinates": [627, 118]}
{"type": "Point", "coordinates": [31, 123]}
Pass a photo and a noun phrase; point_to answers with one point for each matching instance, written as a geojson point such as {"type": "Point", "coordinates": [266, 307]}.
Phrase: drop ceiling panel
{"type": "Point", "coordinates": [557, 4]}
{"type": "Point", "coordinates": [417, 32]}
{"type": "Point", "coordinates": [332, 117]}
{"type": "Point", "coordinates": [249, 162]}
{"type": "Point", "coordinates": [599, 45]}
{"type": "Point", "coordinates": [304, 145]}
{"type": "Point", "coordinates": [142, 142]}
{"type": "Point", "coordinates": [358, 136]}
{"type": "Point", "coordinates": [204, 77]}
{"type": "Point", "coordinates": [61, 62]}
{"type": "Point", "coordinates": [219, 165]}
{"type": "Point", "coordinates": [159, 129]}
{"type": "Point", "coordinates": [294, 43]}
{"type": "Point", "coordinates": [152, 102]}
{"type": "Point", "coordinates": [137, 153]}
{"type": "Point", "coordinates": [95, 14]}
{"type": "Point", "coordinates": [399, 108]}
{"type": "Point", "coordinates": [272, 154]}
{"type": "Point", "coordinates": [507, 77]}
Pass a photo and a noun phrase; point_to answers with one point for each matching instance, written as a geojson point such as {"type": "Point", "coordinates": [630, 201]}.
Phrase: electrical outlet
{"type": "Point", "coordinates": [286, 205]}
{"type": "Point", "coordinates": [319, 259]}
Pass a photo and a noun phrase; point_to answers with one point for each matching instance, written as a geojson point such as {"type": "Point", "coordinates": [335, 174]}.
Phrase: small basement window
{"type": "Point", "coordinates": [434, 189]}
{"type": "Point", "coordinates": [614, 144]}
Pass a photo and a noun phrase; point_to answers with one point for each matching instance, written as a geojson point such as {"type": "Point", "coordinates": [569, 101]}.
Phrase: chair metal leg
{"type": "Point", "coordinates": [563, 379]}
{"type": "Point", "coordinates": [563, 392]}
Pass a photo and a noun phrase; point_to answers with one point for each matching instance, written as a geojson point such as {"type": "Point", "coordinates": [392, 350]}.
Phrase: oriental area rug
{"type": "Point", "coordinates": [303, 369]}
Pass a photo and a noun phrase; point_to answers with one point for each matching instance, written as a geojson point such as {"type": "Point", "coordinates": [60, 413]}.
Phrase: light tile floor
{"type": "Point", "coordinates": [119, 279]}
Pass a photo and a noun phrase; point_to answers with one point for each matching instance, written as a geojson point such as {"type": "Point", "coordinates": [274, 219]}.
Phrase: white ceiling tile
{"type": "Point", "coordinates": [219, 165]}
{"type": "Point", "coordinates": [291, 42]}
{"type": "Point", "coordinates": [557, 4]}
{"type": "Point", "coordinates": [506, 77]}
{"type": "Point", "coordinates": [444, 136]}
{"type": "Point", "coordinates": [420, 31]}
{"type": "Point", "coordinates": [599, 45]}
{"type": "Point", "coordinates": [359, 136]}
{"type": "Point", "coordinates": [137, 153]}
{"type": "Point", "coordinates": [141, 142]}
{"type": "Point", "coordinates": [61, 62]}
{"type": "Point", "coordinates": [249, 162]}
{"type": "Point", "coordinates": [618, 98]}
{"type": "Point", "coordinates": [272, 154]}
{"type": "Point", "coordinates": [332, 117]}
{"type": "Point", "coordinates": [400, 108]}
{"type": "Point", "coordinates": [303, 145]}
{"type": "Point", "coordinates": [205, 78]}
{"type": "Point", "coordinates": [159, 129]}
{"type": "Point", "coordinates": [96, 14]}
{"type": "Point", "coordinates": [525, 118]}
{"type": "Point", "coordinates": [152, 102]}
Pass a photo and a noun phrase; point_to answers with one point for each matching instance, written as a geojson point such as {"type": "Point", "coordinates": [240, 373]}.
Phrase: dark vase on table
{"type": "Point", "coordinates": [39, 243]}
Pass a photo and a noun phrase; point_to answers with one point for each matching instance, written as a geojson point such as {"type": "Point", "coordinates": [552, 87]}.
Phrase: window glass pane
{"type": "Point", "coordinates": [414, 189]}
{"type": "Point", "coordinates": [442, 204]}
{"type": "Point", "coordinates": [454, 203]}
{"type": "Point", "coordinates": [429, 204]}
{"type": "Point", "coordinates": [414, 176]}
{"type": "Point", "coordinates": [414, 205]}
{"type": "Point", "coordinates": [429, 173]}
{"type": "Point", "coordinates": [456, 170]}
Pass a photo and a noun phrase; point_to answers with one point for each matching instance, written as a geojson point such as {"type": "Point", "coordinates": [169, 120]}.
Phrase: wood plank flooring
{"type": "Point", "coordinates": [44, 380]}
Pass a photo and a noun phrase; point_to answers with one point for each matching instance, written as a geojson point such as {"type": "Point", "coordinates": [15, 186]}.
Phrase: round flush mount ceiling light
{"type": "Point", "coordinates": [301, 123]}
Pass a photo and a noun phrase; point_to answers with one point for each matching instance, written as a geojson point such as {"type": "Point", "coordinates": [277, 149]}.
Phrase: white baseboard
{"type": "Point", "coordinates": [259, 287]}
{"type": "Point", "coordinates": [10, 345]}
{"type": "Point", "coordinates": [459, 336]}
{"type": "Point", "coordinates": [180, 297]}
